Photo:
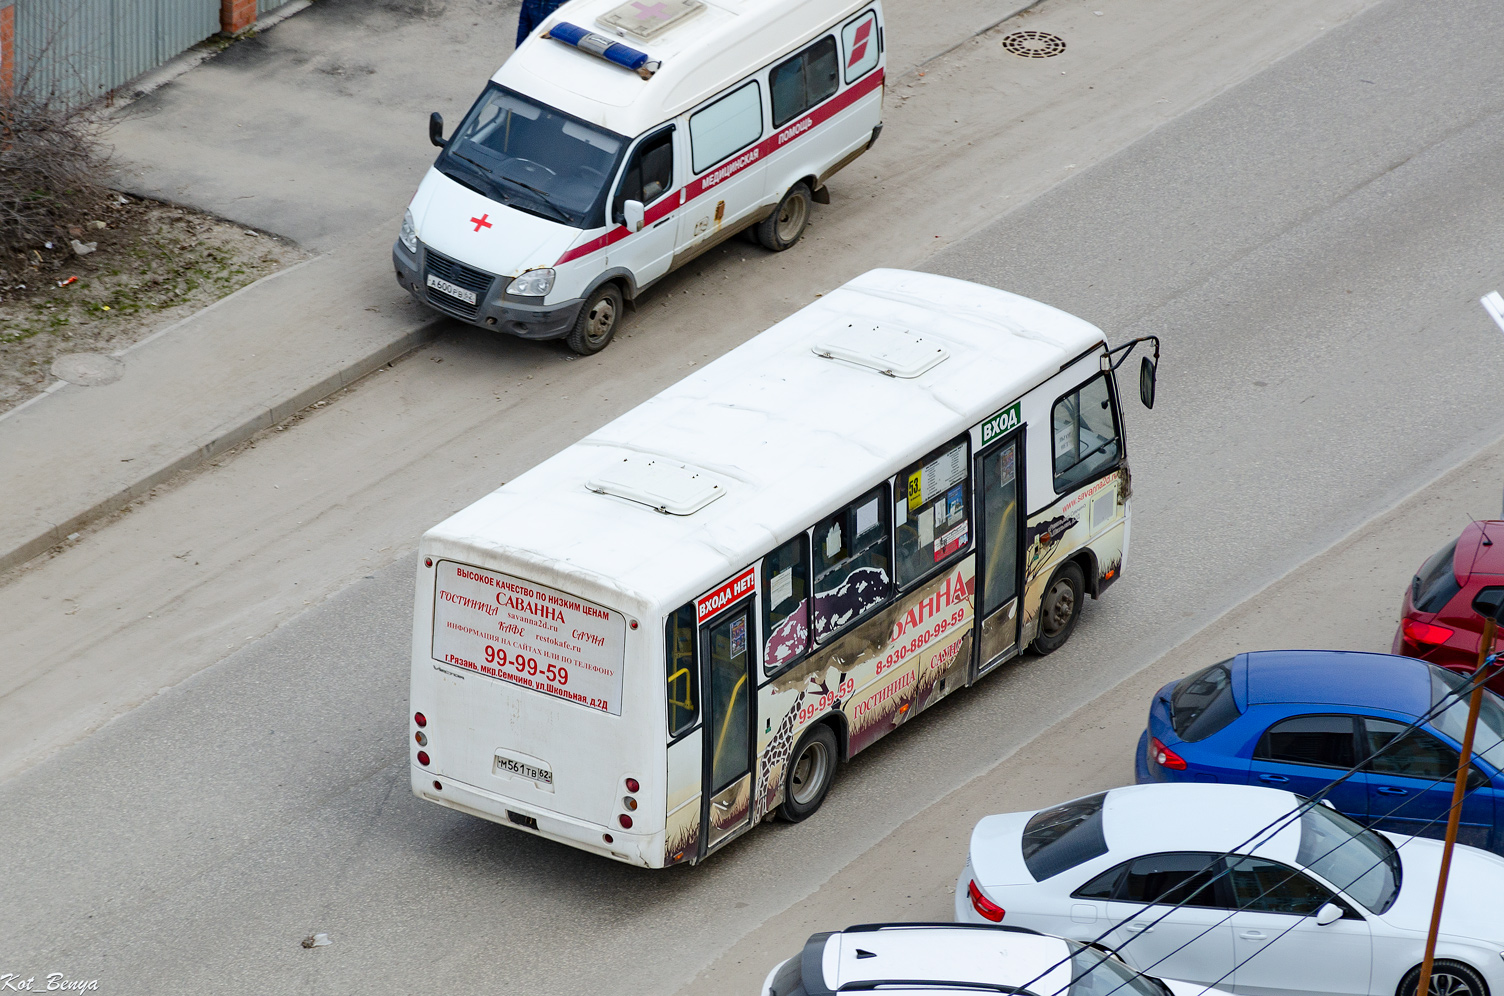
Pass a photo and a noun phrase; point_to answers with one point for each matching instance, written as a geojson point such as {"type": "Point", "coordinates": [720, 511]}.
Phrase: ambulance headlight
{"type": "Point", "coordinates": [533, 283]}
{"type": "Point", "coordinates": [409, 235]}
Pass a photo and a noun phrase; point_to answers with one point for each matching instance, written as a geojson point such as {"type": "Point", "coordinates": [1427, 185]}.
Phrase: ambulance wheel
{"type": "Point", "coordinates": [781, 229]}
{"type": "Point", "coordinates": [597, 322]}
{"type": "Point", "coordinates": [1060, 608]}
{"type": "Point", "coordinates": [811, 768]}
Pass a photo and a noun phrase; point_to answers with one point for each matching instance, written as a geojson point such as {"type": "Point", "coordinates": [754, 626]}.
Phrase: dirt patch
{"type": "Point", "coordinates": [151, 265]}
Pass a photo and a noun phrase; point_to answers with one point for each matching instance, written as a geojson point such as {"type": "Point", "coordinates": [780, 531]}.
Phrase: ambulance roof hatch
{"type": "Point", "coordinates": [644, 19]}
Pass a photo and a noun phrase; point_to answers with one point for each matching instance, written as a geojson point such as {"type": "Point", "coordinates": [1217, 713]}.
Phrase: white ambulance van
{"type": "Point", "coordinates": [623, 139]}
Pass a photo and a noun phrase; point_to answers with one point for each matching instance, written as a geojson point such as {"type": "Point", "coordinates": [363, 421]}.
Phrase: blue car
{"type": "Point", "coordinates": [1296, 719]}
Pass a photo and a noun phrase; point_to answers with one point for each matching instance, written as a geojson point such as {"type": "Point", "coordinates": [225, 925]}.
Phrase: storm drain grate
{"type": "Point", "coordinates": [1034, 44]}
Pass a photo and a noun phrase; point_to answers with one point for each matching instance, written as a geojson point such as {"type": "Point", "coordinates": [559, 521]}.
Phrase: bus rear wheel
{"type": "Point", "coordinates": [786, 225]}
{"type": "Point", "coordinates": [810, 771]}
{"type": "Point", "coordinates": [1060, 608]}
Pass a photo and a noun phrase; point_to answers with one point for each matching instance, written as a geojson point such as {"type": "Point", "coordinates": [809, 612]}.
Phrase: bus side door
{"type": "Point", "coordinates": [999, 475]}
{"type": "Point", "coordinates": [730, 686]}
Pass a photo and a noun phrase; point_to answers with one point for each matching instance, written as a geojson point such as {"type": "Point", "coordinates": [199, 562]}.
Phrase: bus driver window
{"type": "Point", "coordinates": [1086, 434]}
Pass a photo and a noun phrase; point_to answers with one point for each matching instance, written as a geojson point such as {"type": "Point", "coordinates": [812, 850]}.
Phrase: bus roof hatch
{"type": "Point", "coordinates": [666, 486]}
{"type": "Point", "coordinates": [888, 349]}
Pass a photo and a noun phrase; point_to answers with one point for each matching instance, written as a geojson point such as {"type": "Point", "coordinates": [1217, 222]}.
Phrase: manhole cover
{"type": "Point", "coordinates": [87, 369]}
{"type": "Point", "coordinates": [1034, 44]}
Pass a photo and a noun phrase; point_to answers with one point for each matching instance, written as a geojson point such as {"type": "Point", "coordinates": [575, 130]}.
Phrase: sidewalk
{"type": "Point", "coordinates": [327, 153]}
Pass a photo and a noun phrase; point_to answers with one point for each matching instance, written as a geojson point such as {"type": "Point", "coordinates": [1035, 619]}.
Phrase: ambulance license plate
{"type": "Point", "coordinates": [446, 287]}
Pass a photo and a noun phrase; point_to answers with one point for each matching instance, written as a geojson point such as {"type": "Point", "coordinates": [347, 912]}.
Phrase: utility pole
{"type": "Point", "coordinates": [1490, 605]}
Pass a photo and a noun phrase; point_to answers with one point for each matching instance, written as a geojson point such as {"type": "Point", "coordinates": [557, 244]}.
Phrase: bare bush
{"type": "Point", "coordinates": [51, 162]}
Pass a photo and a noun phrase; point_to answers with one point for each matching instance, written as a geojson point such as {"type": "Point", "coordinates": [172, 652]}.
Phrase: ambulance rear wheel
{"type": "Point", "coordinates": [597, 322]}
{"type": "Point", "coordinates": [786, 225]}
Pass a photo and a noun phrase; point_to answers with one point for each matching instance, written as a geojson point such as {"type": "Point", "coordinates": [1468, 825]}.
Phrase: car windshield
{"type": "Point", "coordinates": [1097, 973]}
{"type": "Point", "coordinates": [533, 158]}
{"type": "Point", "coordinates": [1359, 862]}
{"type": "Point", "coordinates": [1488, 738]}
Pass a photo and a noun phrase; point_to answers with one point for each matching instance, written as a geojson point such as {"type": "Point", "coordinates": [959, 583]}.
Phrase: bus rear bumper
{"type": "Point", "coordinates": [645, 850]}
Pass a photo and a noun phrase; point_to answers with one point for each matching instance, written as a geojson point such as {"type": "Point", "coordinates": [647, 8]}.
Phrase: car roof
{"type": "Point", "coordinates": [1473, 556]}
{"type": "Point", "coordinates": [700, 55]}
{"type": "Point", "coordinates": [1334, 677]}
{"type": "Point", "coordinates": [991, 956]}
{"type": "Point", "coordinates": [1196, 816]}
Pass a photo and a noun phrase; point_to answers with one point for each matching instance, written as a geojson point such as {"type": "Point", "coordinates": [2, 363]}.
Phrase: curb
{"type": "Point", "coordinates": [225, 438]}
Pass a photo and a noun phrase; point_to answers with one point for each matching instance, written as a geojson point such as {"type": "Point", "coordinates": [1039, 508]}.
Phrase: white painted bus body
{"type": "Point", "coordinates": [715, 192]}
{"type": "Point", "coordinates": [777, 436]}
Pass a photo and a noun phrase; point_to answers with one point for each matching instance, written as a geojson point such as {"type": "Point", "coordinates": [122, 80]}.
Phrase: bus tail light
{"type": "Point", "coordinates": [625, 821]}
{"type": "Point", "coordinates": [422, 738]}
{"type": "Point", "coordinates": [984, 906]}
{"type": "Point", "coordinates": [632, 785]}
{"type": "Point", "coordinates": [423, 757]}
{"type": "Point", "coordinates": [630, 803]}
{"type": "Point", "coordinates": [420, 719]}
{"type": "Point", "coordinates": [1164, 756]}
{"type": "Point", "coordinates": [1426, 634]}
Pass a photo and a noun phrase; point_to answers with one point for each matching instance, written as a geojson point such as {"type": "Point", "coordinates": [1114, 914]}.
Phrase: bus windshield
{"type": "Point", "coordinates": [533, 158]}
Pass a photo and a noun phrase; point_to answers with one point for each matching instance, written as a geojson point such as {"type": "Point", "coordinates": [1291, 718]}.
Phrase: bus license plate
{"type": "Point", "coordinates": [452, 290]}
{"type": "Point", "coordinates": [507, 765]}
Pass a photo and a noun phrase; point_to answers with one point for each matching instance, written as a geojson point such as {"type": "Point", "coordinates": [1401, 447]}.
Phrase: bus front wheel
{"type": "Point", "coordinates": [1060, 608]}
{"type": "Point", "coordinates": [811, 769]}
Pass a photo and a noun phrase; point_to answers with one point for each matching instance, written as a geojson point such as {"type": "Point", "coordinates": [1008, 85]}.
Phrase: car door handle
{"type": "Point", "coordinates": [1253, 935]}
{"type": "Point", "coordinates": [1273, 778]}
{"type": "Point", "coordinates": [1140, 928]}
{"type": "Point", "coordinates": [1391, 790]}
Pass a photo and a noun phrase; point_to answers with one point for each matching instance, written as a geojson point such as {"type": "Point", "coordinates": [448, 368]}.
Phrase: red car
{"type": "Point", "coordinates": [1437, 621]}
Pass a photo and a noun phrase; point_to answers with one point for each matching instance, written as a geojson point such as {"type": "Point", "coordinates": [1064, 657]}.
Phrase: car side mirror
{"type": "Point", "coordinates": [1328, 915]}
{"type": "Point", "coordinates": [1489, 603]}
{"type": "Point", "coordinates": [436, 129]}
{"type": "Point", "coordinates": [633, 212]}
{"type": "Point", "coordinates": [1146, 378]}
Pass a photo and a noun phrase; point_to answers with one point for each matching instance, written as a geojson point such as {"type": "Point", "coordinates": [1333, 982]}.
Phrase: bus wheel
{"type": "Point", "coordinates": [781, 229]}
{"type": "Point", "coordinates": [811, 769]}
{"type": "Point", "coordinates": [597, 323]}
{"type": "Point", "coordinates": [1060, 608]}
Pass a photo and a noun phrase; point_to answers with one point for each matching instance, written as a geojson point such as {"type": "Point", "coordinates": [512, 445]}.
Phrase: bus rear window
{"type": "Point", "coordinates": [1202, 704]}
{"type": "Point", "coordinates": [1062, 837]}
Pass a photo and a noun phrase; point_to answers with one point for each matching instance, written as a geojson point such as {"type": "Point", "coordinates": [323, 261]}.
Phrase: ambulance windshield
{"type": "Point", "coordinates": [533, 158]}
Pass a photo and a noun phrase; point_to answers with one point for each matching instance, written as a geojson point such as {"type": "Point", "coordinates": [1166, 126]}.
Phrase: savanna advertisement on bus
{"type": "Point", "coordinates": [528, 635]}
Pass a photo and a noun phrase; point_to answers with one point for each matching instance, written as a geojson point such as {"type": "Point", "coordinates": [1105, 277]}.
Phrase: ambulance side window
{"type": "Point", "coordinates": [803, 80]}
{"type": "Point", "coordinates": [649, 175]}
{"type": "Point", "coordinates": [860, 42]}
{"type": "Point", "coordinates": [726, 126]}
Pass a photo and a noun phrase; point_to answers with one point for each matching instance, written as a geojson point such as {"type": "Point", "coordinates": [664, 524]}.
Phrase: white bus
{"type": "Point", "coordinates": [681, 624]}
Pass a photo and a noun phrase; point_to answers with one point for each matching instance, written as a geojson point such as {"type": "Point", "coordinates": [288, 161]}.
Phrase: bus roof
{"type": "Point", "coordinates": [785, 435]}
{"type": "Point", "coordinates": [701, 54]}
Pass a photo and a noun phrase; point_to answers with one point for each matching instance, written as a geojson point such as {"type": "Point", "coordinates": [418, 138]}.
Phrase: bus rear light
{"type": "Point", "coordinates": [420, 719]}
{"type": "Point", "coordinates": [1164, 756]}
{"type": "Point", "coordinates": [1426, 633]}
{"type": "Point", "coordinates": [625, 821]}
{"type": "Point", "coordinates": [422, 757]}
{"type": "Point", "coordinates": [422, 738]}
{"type": "Point", "coordinates": [630, 803]}
{"type": "Point", "coordinates": [437, 785]}
{"type": "Point", "coordinates": [986, 907]}
{"type": "Point", "coordinates": [608, 838]}
{"type": "Point", "coordinates": [632, 785]}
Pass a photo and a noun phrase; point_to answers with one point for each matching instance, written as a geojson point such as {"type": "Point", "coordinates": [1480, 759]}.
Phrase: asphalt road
{"type": "Point", "coordinates": [1311, 245]}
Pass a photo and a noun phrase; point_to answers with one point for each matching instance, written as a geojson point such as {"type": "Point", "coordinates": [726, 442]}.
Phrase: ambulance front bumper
{"type": "Point", "coordinates": [492, 309]}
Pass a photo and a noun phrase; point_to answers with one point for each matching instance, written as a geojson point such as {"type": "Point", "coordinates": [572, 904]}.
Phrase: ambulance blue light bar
{"type": "Point", "coordinates": [603, 48]}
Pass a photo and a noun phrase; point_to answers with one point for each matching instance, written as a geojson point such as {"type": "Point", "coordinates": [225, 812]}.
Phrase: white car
{"type": "Point", "coordinates": [1317, 905]}
{"type": "Point", "coordinates": [913, 958]}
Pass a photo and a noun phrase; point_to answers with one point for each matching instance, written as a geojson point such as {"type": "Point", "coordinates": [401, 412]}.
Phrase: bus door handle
{"type": "Point", "coordinates": [1393, 790]}
{"type": "Point", "coordinates": [1273, 778]}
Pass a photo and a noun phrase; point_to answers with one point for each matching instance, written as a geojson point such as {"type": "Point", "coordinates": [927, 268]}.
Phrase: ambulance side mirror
{"type": "Point", "coordinates": [436, 129]}
{"type": "Point", "coordinates": [632, 211]}
{"type": "Point", "coordinates": [1146, 379]}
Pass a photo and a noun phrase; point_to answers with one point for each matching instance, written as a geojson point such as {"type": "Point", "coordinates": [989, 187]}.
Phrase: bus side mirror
{"type": "Point", "coordinates": [1328, 915]}
{"type": "Point", "coordinates": [632, 211]}
{"type": "Point", "coordinates": [1146, 377]}
{"type": "Point", "coordinates": [436, 129]}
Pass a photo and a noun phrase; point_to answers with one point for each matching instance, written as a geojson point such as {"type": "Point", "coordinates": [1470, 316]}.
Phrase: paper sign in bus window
{"type": "Point", "coordinates": [926, 526]}
{"type": "Point", "coordinates": [867, 518]}
{"type": "Point", "coordinates": [833, 541]}
{"type": "Point", "coordinates": [782, 587]}
{"type": "Point", "coordinates": [738, 636]}
{"type": "Point", "coordinates": [955, 505]}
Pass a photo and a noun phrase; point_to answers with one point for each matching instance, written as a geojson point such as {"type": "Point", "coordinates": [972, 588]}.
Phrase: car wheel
{"type": "Point", "coordinates": [597, 321]}
{"type": "Point", "coordinates": [810, 771]}
{"type": "Point", "coordinates": [1448, 978]}
{"type": "Point", "coordinates": [1060, 608]}
{"type": "Point", "coordinates": [781, 229]}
